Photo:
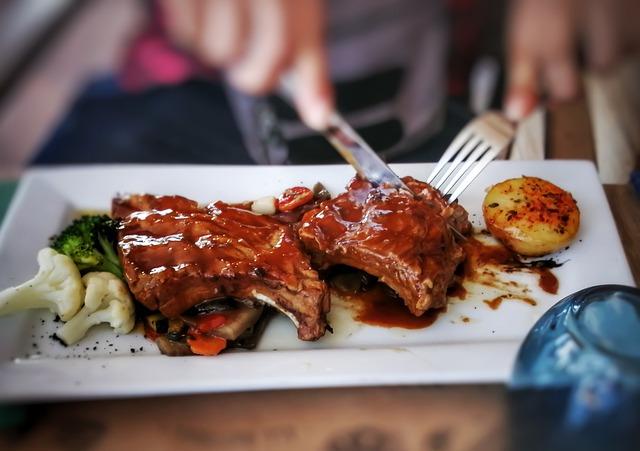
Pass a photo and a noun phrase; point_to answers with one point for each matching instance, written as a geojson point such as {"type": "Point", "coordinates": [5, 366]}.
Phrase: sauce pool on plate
{"type": "Point", "coordinates": [379, 306]}
{"type": "Point", "coordinates": [481, 255]}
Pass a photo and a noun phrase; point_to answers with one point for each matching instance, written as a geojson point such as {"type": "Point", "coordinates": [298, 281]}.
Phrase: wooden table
{"type": "Point", "coordinates": [468, 417]}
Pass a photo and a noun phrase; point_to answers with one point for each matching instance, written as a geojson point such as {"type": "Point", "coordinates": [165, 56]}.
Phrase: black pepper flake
{"type": "Point", "coordinates": [493, 205]}
{"type": "Point", "coordinates": [95, 348]}
{"type": "Point", "coordinates": [56, 319]}
{"type": "Point", "coordinates": [132, 351]}
{"type": "Point", "coordinates": [54, 337]}
{"type": "Point", "coordinates": [141, 348]}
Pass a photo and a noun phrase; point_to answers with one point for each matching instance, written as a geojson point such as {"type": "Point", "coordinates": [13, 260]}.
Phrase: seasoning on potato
{"type": "Point", "coordinates": [531, 216]}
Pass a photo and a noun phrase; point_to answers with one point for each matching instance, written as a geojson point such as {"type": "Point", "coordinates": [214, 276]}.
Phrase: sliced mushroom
{"type": "Point", "coordinates": [173, 348]}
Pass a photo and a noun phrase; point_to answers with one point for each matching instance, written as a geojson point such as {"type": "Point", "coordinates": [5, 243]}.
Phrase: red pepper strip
{"type": "Point", "coordinates": [207, 323]}
{"type": "Point", "coordinates": [150, 333]}
{"type": "Point", "coordinates": [295, 197]}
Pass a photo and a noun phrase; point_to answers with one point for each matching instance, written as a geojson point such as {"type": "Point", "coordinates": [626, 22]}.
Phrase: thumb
{"type": "Point", "coordinates": [312, 91]}
{"type": "Point", "coordinates": [522, 89]}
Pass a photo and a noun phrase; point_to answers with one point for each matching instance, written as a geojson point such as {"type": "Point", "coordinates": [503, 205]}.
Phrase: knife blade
{"type": "Point", "coordinates": [350, 145]}
{"type": "Point", "coordinates": [360, 155]}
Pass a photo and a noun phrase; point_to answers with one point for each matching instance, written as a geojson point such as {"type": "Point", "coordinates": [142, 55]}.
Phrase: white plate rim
{"type": "Point", "coordinates": [488, 362]}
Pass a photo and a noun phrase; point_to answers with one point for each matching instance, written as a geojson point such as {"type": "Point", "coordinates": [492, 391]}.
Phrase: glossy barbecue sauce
{"type": "Point", "coordinates": [186, 254]}
{"type": "Point", "coordinates": [480, 255]}
{"type": "Point", "coordinates": [380, 306]}
{"type": "Point", "coordinates": [496, 302]}
{"type": "Point", "coordinates": [370, 228]}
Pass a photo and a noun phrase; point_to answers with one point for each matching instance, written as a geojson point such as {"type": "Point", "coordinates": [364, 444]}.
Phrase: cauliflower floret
{"type": "Point", "coordinates": [57, 286]}
{"type": "Point", "coordinates": [107, 300]}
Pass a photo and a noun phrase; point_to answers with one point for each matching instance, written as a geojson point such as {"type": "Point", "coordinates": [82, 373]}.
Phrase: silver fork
{"type": "Point", "coordinates": [479, 142]}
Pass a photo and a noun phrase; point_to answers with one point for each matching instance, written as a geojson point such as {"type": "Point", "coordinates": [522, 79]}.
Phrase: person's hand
{"type": "Point", "coordinates": [256, 42]}
{"type": "Point", "coordinates": [543, 40]}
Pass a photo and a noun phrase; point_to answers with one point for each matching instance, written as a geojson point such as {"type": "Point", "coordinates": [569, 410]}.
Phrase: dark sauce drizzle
{"type": "Point", "coordinates": [480, 254]}
{"type": "Point", "coordinates": [376, 304]}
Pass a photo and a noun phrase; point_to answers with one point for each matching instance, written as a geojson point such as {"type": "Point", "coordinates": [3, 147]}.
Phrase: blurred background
{"type": "Point", "coordinates": [50, 50]}
{"type": "Point", "coordinates": [101, 81]}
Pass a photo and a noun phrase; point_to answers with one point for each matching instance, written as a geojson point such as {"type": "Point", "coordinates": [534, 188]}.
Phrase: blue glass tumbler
{"type": "Point", "coordinates": [576, 381]}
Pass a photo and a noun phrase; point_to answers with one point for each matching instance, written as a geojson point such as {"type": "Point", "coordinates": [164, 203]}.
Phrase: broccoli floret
{"type": "Point", "coordinates": [90, 242]}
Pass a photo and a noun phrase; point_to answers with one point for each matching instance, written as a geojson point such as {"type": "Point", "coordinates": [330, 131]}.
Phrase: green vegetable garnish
{"type": "Point", "coordinates": [90, 242]}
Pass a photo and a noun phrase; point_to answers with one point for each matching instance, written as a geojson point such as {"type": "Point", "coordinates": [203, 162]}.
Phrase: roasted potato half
{"type": "Point", "coordinates": [531, 216]}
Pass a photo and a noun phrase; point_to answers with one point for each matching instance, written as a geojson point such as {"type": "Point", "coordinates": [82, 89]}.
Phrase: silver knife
{"type": "Point", "coordinates": [358, 154]}
{"type": "Point", "coordinates": [350, 145]}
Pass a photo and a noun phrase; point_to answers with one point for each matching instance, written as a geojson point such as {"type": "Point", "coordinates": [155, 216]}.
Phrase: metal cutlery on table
{"type": "Point", "coordinates": [358, 154]}
{"type": "Point", "coordinates": [350, 145]}
{"type": "Point", "coordinates": [479, 142]}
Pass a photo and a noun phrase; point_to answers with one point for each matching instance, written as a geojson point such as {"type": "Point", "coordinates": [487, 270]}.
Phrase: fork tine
{"type": "Point", "coordinates": [475, 156]}
{"type": "Point", "coordinates": [479, 142]}
{"type": "Point", "coordinates": [491, 154]}
{"type": "Point", "coordinates": [462, 138]}
{"type": "Point", "coordinates": [462, 154]}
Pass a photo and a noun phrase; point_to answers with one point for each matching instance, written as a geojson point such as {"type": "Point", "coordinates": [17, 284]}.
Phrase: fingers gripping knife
{"type": "Point", "coordinates": [351, 146]}
{"type": "Point", "coordinates": [480, 142]}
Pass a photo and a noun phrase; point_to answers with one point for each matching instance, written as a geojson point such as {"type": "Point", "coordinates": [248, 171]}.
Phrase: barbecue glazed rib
{"type": "Point", "coordinates": [176, 255]}
{"type": "Point", "coordinates": [404, 241]}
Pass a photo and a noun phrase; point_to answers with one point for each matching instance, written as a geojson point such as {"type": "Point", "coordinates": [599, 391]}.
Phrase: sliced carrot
{"type": "Point", "coordinates": [205, 345]}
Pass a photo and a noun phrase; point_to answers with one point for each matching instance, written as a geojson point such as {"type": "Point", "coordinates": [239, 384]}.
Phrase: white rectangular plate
{"type": "Point", "coordinates": [480, 349]}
